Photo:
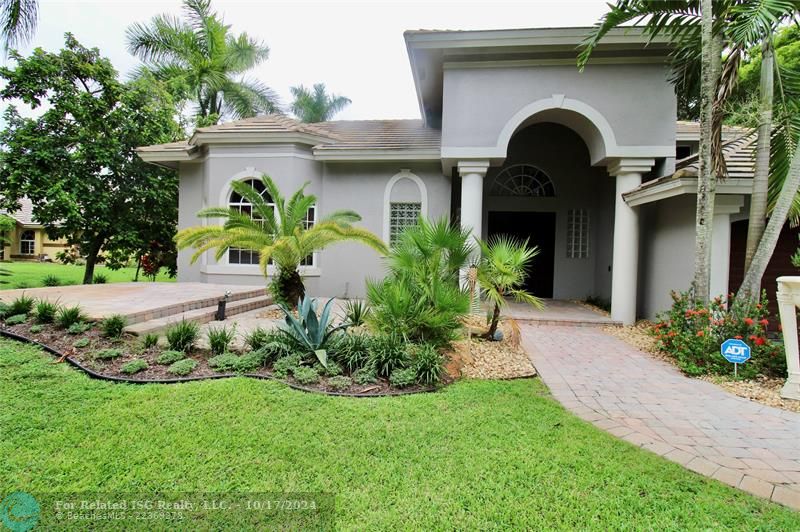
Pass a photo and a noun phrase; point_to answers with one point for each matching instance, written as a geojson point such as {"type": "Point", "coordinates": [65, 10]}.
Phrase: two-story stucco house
{"type": "Point", "coordinates": [513, 139]}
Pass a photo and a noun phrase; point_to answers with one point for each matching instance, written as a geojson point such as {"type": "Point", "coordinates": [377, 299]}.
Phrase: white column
{"type": "Point", "coordinates": [724, 206]}
{"type": "Point", "coordinates": [625, 266]}
{"type": "Point", "coordinates": [788, 296]}
{"type": "Point", "coordinates": [472, 174]}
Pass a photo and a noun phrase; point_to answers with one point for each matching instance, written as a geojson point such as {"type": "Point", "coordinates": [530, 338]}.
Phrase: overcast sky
{"type": "Point", "coordinates": [355, 48]}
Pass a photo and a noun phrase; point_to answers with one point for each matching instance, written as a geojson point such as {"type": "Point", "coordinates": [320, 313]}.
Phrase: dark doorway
{"type": "Point", "coordinates": [540, 230]}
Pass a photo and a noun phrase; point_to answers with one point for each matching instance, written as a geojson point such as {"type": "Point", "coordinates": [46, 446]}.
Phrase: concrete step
{"type": "Point", "coordinates": [189, 306]}
{"type": "Point", "coordinates": [199, 315]}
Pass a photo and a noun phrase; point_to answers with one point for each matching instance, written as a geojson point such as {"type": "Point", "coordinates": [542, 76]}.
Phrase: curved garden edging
{"type": "Point", "coordinates": [177, 380]}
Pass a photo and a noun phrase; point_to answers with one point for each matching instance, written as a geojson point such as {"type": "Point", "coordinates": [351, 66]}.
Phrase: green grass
{"type": "Point", "coordinates": [32, 274]}
{"type": "Point", "coordinates": [477, 455]}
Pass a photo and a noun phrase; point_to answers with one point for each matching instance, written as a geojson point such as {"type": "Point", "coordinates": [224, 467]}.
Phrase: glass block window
{"type": "Point", "coordinates": [402, 215]}
{"type": "Point", "coordinates": [27, 243]}
{"type": "Point", "coordinates": [577, 234]}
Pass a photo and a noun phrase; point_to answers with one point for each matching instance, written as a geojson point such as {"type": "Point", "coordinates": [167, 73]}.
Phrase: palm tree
{"type": "Point", "coordinates": [203, 63]}
{"type": "Point", "coordinates": [502, 272]}
{"type": "Point", "coordinates": [18, 21]}
{"type": "Point", "coordinates": [279, 233]}
{"type": "Point", "coordinates": [736, 25]}
{"type": "Point", "coordinates": [316, 106]}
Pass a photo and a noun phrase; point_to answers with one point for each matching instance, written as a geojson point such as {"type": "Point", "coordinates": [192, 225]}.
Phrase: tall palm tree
{"type": "Point", "coordinates": [18, 21]}
{"type": "Point", "coordinates": [278, 231]}
{"type": "Point", "coordinates": [502, 273]}
{"type": "Point", "coordinates": [316, 105]}
{"type": "Point", "coordinates": [736, 25]}
{"type": "Point", "coordinates": [203, 62]}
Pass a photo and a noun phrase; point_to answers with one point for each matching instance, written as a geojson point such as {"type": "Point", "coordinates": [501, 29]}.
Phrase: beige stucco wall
{"type": "Point", "coordinates": [43, 245]}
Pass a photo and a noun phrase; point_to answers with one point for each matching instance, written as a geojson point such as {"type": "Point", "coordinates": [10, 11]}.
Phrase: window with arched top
{"type": "Point", "coordinates": [523, 180]}
{"type": "Point", "coordinates": [27, 243]}
{"type": "Point", "coordinates": [241, 204]}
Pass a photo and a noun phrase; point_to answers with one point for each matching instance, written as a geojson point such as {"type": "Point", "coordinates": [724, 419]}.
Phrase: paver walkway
{"type": "Point", "coordinates": [649, 403]}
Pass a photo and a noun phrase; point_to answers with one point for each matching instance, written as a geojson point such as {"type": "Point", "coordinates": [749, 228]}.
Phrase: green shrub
{"type": "Point", "coordinates": [45, 311]}
{"type": "Point", "coordinates": [68, 316]}
{"type": "Point", "coordinates": [21, 305]}
{"type": "Point", "coordinates": [81, 342]}
{"type": "Point", "coordinates": [4, 308]}
{"type": "Point", "coordinates": [306, 375]}
{"type": "Point", "coordinates": [149, 340]}
{"type": "Point", "coordinates": [428, 363]}
{"type": "Point", "coordinates": [79, 328]}
{"type": "Point", "coordinates": [225, 362]}
{"type": "Point", "coordinates": [387, 353]}
{"type": "Point", "coordinates": [365, 376]}
{"type": "Point", "coordinates": [692, 333]}
{"type": "Point", "coordinates": [332, 370]}
{"type": "Point", "coordinates": [420, 299]}
{"type": "Point", "coordinates": [258, 338]}
{"type": "Point", "coordinates": [134, 366]}
{"type": "Point", "coordinates": [220, 338]}
{"type": "Point", "coordinates": [170, 357]}
{"type": "Point", "coordinates": [51, 280]}
{"type": "Point", "coordinates": [108, 354]}
{"type": "Point", "coordinates": [284, 366]}
{"type": "Point", "coordinates": [16, 319]}
{"type": "Point", "coordinates": [182, 367]}
{"type": "Point", "coordinates": [36, 329]}
{"type": "Point", "coordinates": [99, 278]}
{"type": "Point", "coordinates": [339, 383]}
{"type": "Point", "coordinates": [402, 378]}
{"type": "Point", "coordinates": [183, 335]}
{"type": "Point", "coordinates": [356, 312]}
{"type": "Point", "coordinates": [228, 362]}
{"type": "Point", "coordinates": [351, 350]}
{"type": "Point", "coordinates": [113, 326]}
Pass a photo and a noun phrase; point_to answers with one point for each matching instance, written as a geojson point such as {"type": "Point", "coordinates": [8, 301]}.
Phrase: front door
{"type": "Point", "coordinates": [539, 228]}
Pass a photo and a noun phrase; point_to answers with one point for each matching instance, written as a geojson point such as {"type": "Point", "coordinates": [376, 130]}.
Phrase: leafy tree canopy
{"type": "Point", "coordinates": [77, 160]}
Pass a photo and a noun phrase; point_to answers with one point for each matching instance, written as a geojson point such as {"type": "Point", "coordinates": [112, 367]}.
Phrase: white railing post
{"type": "Point", "coordinates": [788, 299]}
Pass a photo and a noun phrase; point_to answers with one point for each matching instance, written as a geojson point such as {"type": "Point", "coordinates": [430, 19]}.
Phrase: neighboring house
{"type": "Point", "coordinates": [513, 139]}
{"type": "Point", "coordinates": [28, 240]}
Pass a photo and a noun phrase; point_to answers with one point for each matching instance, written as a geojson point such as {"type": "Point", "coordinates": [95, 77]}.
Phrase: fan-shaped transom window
{"type": "Point", "coordinates": [523, 180]}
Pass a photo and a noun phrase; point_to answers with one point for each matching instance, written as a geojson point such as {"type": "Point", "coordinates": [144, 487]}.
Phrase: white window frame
{"type": "Point", "coordinates": [238, 205]}
{"type": "Point", "coordinates": [404, 173]}
{"type": "Point", "coordinates": [27, 242]}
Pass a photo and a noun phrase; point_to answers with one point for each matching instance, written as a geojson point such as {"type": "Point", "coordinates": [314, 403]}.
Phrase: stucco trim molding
{"type": "Point", "coordinates": [225, 191]}
{"type": "Point", "coordinates": [254, 270]}
{"type": "Point", "coordinates": [404, 173]}
{"type": "Point", "coordinates": [684, 185]}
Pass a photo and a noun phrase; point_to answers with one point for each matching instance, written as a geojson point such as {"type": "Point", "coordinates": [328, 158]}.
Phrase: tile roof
{"type": "Point", "coordinates": [266, 124]}
{"type": "Point", "coordinates": [739, 158]}
{"type": "Point", "coordinates": [685, 127]}
{"type": "Point", "coordinates": [25, 213]}
{"type": "Point", "coordinates": [380, 134]}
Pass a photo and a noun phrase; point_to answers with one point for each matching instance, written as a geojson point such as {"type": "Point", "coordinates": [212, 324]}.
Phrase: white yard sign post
{"type": "Point", "coordinates": [788, 300]}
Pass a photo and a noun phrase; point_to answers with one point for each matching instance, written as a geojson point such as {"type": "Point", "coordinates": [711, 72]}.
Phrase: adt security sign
{"type": "Point", "coordinates": [735, 351]}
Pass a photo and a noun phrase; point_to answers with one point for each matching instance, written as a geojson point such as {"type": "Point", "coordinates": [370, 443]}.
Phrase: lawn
{"type": "Point", "coordinates": [477, 455]}
{"type": "Point", "coordinates": [32, 274]}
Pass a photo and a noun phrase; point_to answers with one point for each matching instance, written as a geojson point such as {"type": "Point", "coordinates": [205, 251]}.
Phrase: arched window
{"type": "Point", "coordinates": [241, 204]}
{"type": "Point", "coordinates": [27, 243]}
{"type": "Point", "coordinates": [237, 202]}
{"type": "Point", "coordinates": [523, 180]}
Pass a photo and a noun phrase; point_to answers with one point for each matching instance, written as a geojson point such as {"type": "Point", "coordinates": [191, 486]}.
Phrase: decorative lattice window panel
{"type": "Point", "coordinates": [402, 215]}
{"type": "Point", "coordinates": [523, 180]}
{"type": "Point", "coordinates": [577, 234]}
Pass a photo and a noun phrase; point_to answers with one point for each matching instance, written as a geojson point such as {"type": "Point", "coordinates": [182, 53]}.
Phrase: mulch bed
{"type": "Point", "coordinates": [478, 358]}
{"type": "Point", "coordinates": [60, 343]}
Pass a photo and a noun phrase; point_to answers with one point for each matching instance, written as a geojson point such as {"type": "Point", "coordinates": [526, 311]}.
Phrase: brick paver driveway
{"type": "Point", "coordinates": [651, 404]}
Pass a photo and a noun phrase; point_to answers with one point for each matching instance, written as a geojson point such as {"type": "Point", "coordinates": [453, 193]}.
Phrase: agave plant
{"type": "Point", "coordinates": [310, 331]}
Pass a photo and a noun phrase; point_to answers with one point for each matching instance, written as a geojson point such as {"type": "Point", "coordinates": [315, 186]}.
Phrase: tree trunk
{"type": "Point", "coordinates": [91, 260]}
{"type": "Point", "coordinates": [495, 321]}
{"type": "Point", "coordinates": [752, 279]}
{"type": "Point", "coordinates": [758, 199]}
{"type": "Point", "coordinates": [706, 180]}
{"type": "Point", "coordinates": [138, 268]}
{"type": "Point", "coordinates": [291, 287]}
